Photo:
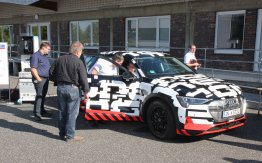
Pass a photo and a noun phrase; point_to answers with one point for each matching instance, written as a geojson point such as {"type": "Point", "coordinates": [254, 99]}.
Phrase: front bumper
{"type": "Point", "coordinates": [192, 129]}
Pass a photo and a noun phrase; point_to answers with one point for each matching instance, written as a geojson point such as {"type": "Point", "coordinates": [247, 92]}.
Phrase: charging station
{"type": "Point", "coordinates": [28, 45]}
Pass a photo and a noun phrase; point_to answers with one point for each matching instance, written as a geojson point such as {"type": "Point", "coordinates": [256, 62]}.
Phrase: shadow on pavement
{"type": "Point", "coordinates": [131, 128]}
{"type": "Point", "coordinates": [26, 128]}
{"type": "Point", "coordinates": [51, 102]}
{"type": "Point", "coordinates": [252, 130]}
{"type": "Point", "coordinates": [137, 129]}
{"type": "Point", "coordinates": [15, 126]}
{"type": "Point", "coordinates": [233, 160]}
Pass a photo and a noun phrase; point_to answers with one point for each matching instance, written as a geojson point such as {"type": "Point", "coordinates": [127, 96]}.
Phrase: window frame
{"type": "Point", "coordinates": [156, 47]}
{"type": "Point", "coordinates": [39, 25]}
{"type": "Point", "coordinates": [10, 31]}
{"type": "Point", "coordinates": [92, 46]}
{"type": "Point", "coordinates": [229, 51]}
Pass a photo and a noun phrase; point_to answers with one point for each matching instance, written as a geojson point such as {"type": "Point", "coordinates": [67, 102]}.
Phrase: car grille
{"type": "Point", "coordinates": [218, 107]}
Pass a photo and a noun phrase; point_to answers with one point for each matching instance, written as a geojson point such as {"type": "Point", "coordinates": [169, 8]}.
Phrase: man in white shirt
{"type": "Point", "coordinates": [104, 67]}
{"type": "Point", "coordinates": [190, 58]}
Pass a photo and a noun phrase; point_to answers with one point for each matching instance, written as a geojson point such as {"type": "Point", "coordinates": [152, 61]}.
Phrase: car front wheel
{"type": "Point", "coordinates": [161, 121]}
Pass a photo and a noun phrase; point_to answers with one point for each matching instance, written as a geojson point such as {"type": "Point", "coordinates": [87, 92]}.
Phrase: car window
{"type": "Point", "coordinates": [161, 66]}
{"type": "Point", "coordinates": [105, 67]}
{"type": "Point", "coordinates": [90, 61]}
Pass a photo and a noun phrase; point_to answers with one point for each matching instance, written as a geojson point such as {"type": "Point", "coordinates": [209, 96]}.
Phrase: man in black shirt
{"type": "Point", "coordinates": [70, 75]}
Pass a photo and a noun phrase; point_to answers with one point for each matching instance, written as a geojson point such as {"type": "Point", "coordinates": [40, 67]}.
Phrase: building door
{"type": "Point", "coordinates": [258, 52]}
{"type": "Point", "coordinates": [42, 30]}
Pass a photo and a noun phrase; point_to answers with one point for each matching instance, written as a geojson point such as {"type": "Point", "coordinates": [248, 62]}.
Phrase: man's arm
{"type": "Point", "coordinates": [83, 80]}
{"type": "Point", "coordinates": [97, 67]}
{"type": "Point", "coordinates": [52, 72]}
{"type": "Point", "coordinates": [94, 71]}
{"type": "Point", "coordinates": [33, 65]}
{"type": "Point", "coordinates": [187, 61]}
{"type": "Point", "coordinates": [193, 64]}
{"type": "Point", "coordinates": [35, 74]}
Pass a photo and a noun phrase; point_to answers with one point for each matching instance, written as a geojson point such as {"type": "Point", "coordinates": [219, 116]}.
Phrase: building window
{"type": "Point", "coordinates": [6, 34]}
{"type": "Point", "coordinates": [148, 33]}
{"type": "Point", "coordinates": [42, 30]}
{"type": "Point", "coordinates": [87, 32]}
{"type": "Point", "coordinates": [230, 32]}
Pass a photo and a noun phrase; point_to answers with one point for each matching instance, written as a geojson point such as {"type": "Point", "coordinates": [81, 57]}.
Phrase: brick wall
{"type": "Point", "coordinates": [204, 34]}
{"type": "Point", "coordinates": [54, 31]}
{"type": "Point", "coordinates": [89, 5]}
{"type": "Point", "coordinates": [249, 39]}
{"type": "Point", "coordinates": [119, 33]}
{"type": "Point", "coordinates": [250, 29]}
{"type": "Point", "coordinates": [177, 35]}
{"type": "Point", "coordinates": [64, 36]}
{"type": "Point", "coordinates": [204, 37]}
{"type": "Point", "coordinates": [104, 34]}
{"type": "Point", "coordinates": [16, 32]}
{"type": "Point", "coordinates": [204, 27]}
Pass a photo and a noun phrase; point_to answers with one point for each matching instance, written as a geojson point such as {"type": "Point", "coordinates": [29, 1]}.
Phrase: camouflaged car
{"type": "Point", "coordinates": [167, 95]}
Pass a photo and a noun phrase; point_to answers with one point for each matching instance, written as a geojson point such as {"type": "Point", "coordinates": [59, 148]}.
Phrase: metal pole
{"type": "Point", "coordinates": [260, 100]}
{"type": "Point", "coordinates": [205, 59]}
{"type": "Point", "coordinates": [9, 92]}
{"type": "Point", "coordinates": [259, 65]}
{"type": "Point", "coordinates": [9, 85]}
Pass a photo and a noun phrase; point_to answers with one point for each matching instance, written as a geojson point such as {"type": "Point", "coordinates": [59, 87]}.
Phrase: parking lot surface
{"type": "Point", "coordinates": [24, 140]}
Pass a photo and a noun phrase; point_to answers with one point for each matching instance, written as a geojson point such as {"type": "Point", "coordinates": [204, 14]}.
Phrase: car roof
{"type": "Point", "coordinates": [136, 53]}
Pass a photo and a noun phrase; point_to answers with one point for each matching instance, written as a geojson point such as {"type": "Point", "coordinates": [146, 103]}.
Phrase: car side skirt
{"type": "Point", "coordinates": [99, 115]}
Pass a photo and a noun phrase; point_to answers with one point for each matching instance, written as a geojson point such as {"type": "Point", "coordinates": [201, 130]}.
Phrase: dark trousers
{"type": "Point", "coordinates": [41, 91]}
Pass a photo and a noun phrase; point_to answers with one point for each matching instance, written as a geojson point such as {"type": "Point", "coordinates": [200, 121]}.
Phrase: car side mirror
{"type": "Point", "coordinates": [127, 76]}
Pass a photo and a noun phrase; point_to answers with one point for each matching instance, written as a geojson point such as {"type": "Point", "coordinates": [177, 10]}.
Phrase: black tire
{"type": "Point", "coordinates": [161, 121]}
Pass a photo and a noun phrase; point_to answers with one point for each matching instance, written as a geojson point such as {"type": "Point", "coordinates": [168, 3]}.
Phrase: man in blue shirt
{"type": "Point", "coordinates": [40, 72]}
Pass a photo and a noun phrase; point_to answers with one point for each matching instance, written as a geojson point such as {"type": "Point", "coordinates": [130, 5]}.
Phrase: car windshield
{"type": "Point", "coordinates": [162, 66]}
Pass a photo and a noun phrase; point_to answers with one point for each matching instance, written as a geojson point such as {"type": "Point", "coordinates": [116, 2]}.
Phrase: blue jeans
{"type": "Point", "coordinates": [68, 103]}
{"type": "Point", "coordinates": [41, 91]}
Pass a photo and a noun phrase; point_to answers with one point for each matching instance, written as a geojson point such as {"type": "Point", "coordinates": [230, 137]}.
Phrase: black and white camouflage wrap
{"type": "Point", "coordinates": [118, 96]}
{"type": "Point", "coordinates": [197, 86]}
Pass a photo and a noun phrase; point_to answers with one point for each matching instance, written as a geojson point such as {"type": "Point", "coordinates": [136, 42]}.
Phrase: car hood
{"type": "Point", "coordinates": [198, 86]}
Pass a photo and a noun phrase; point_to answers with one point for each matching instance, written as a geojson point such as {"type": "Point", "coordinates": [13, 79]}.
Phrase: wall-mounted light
{"type": "Point", "coordinates": [36, 16]}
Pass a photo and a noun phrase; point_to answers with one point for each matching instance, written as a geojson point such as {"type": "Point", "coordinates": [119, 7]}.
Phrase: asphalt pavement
{"type": "Point", "coordinates": [23, 140]}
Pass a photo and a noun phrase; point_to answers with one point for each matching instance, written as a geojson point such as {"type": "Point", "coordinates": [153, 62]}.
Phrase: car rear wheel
{"type": "Point", "coordinates": [161, 121]}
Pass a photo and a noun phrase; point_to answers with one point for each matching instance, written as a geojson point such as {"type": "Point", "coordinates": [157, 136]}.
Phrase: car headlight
{"type": "Point", "coordinates": [186, 101]}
